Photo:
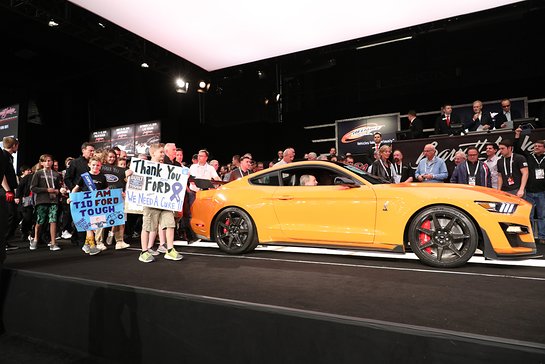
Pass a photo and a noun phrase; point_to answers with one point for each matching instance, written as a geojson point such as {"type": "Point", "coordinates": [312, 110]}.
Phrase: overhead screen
{"type": "Point", "coordinates": [218, 34]}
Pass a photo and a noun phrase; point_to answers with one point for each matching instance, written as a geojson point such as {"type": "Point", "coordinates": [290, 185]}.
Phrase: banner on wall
{"type": "Point", "coordinates": [123, 137]}
{"type": "Point", "coordinates": [356, 135]}
{"type": "Point", "coordinates": [145, 135]}
{"type": "Point", "coordinates": [157, 185]}
{"type": "Point", "coordinates": [101, 139]}
{"type": "Point", "coordinates": [97, 209]}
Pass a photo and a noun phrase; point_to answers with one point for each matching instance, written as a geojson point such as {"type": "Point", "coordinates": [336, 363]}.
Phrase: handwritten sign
{"type": "Point", "coordinates": [157, 185]}
{"type": "Point", "coordinates": [93, 210]}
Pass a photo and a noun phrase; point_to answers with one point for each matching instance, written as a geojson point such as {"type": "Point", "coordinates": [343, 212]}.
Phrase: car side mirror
{"type": "Point", "coordinates": [345, 182]}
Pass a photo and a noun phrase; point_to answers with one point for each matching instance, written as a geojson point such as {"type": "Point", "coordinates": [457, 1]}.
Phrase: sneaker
{"type": "Point", "coordinates": [93, 250]}
{"type": "Point", "coordinates": [153, 252]}
{"type": "Point", "coordinates": [162, 249]}
{"type": "Point", "coordinates": [66, 235]}
{"type": "Point", "coordinates": [135, 235]}
{"type": "Point", "coordinates": [11, 246]}
{"type": "Point", "coordinates": [57, 237]}
{"type": "Point", "coordinates": [54, 247]}
{"type": "Point", "coordinates": [173, 255]}
{"type": "Point", "coordinates": [33, 244]}
{"type": "Point", "coordinates": [86, 248]}
{"type": "Point", "coordinates": [121, 245]}
{"type": "Point", "coordinates": [101, 246]}
{"type": "Point", "coordinates": [30, 238]}
{"type": "Point", "coordinates": [146, 257]}
{"type": "Point", "coordinates": [110, 238]}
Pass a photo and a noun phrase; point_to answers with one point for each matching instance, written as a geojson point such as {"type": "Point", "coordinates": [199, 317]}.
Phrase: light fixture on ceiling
{"type": "Point", "coordinates": [101, 25]}
{"type": "Point", "coordinates": [385, 42]}
{"type": "Point", "coordinates": [181, 86]}
{"type": "Point", "coordinates": [144, 65]}
{"type": "Point", "coordinates": [52, 23]}
{"type": "Point", "coordinates": [203, 87]}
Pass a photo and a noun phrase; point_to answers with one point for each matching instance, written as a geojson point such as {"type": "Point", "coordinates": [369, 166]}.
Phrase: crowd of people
{"type": "Point", "coordinates": [37, 200]}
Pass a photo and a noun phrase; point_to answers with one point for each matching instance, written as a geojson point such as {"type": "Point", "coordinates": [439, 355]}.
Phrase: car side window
{"type": "Point", "coordinates": [324, 176]}
{"type": "Point", "coordinates": [269, 179]}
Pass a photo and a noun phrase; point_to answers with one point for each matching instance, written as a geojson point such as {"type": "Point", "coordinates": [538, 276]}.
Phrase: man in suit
{"type": "Point", "coordinates": [480, 120]}
{"type": "Point", "coordinates": [504, 120]}
{"type": "Point", "coordinates": [374, 146]}
{"type": "Point", "coordinates": [416, 125]}
{"type": "Point", "coordinates": [445, 120]}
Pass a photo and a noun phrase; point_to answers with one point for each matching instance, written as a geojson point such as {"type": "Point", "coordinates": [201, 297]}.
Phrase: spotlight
{"type": "Point", "coordinates": [261, 75]}
{"type": "Point", "coordinates": [101, 25]}
{"type": "Point", "coordinates": [181, 86]}
{"type": "Point", "coordinates": [52, 23]}
{"type": "Point", "coordinates": [277, 97]}
{"type": "Point", "coordinates": [144, 65]}
{"type": "Point", "coordinates": [203, 87]}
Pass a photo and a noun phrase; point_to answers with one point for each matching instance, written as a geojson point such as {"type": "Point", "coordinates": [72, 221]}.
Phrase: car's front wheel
{"type": "Point", "coordinates": [234, 231]}
{"type": "Point", "coordinates": [442, 236]}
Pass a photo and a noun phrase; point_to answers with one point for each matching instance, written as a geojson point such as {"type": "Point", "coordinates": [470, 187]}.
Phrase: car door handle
{"type": "Point", "coordinates": [285, 197]}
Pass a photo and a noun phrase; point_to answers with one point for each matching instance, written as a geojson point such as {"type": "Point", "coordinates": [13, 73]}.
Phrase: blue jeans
{"type": "Point", "coordinates": [537, 199]}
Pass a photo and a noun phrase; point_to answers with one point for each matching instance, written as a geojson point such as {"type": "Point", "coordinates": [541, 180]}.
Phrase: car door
{"type": "Point", "coordinates": [326, 213]}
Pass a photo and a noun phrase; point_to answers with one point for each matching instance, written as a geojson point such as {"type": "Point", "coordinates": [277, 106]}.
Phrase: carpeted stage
{"type": "Point", "coordinates": [266, 307]}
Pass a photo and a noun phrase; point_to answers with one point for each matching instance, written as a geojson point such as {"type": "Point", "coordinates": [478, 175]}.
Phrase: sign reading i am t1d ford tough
{"type": "Point", "coordinates": [157, 185]}
{"type": "Point", "coordinates": [97, 209]}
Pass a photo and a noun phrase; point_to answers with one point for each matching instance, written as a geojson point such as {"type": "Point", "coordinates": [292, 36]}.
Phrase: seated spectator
{"type": "Point", "coordinates": [308, 180]}
{"type": "Point", "coordinates": [480, 120]}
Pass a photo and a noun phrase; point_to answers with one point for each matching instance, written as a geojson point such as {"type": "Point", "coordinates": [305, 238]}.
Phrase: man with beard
{"type": "Point", "coordinates": [243, 169]}
{"type": "Point", "coordinates": [402, 171]}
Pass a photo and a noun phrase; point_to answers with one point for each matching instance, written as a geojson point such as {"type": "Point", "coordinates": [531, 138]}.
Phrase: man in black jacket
{"type": "Point", "coordinates": [73, 174]}
{"type": "Point", "coordinates": [444, 122]}
{"type": "Point", "coordinates": [416, 125]}
{"type": "Point", "coordinates": [9, 184]}
{"type": "Point", "coordinates": [480, 120]}
{"type": "Point", "coordinates": [504, 119]}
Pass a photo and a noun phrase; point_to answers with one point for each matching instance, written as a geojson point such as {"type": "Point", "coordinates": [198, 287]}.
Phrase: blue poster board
{"type": "Point", "coordinates": [93, 210]}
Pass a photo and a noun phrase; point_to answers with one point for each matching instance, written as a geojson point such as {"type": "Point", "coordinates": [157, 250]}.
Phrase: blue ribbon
{"type": "Point", "coordinates": [176, 189]}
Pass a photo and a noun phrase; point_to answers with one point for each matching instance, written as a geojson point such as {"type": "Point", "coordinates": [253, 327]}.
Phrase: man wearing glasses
{"type": "Point", "coordinates": [504, 120]}
{"type": "Point", "coordinates": [472, 172]}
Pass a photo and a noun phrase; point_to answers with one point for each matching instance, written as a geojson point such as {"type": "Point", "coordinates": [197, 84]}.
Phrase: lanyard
{"type": "Point", "coordinates": [476, 169]}
{"type": "Point", "coordinates": [538, 162]}
{"type": "Point", "coordinates": [388, 172]}
{"type": "Point", "coordinates": [429, 168]}
{"type": "Point", "coordinates": [242, 173]}
{"type": "Point", "coordinates": [47, 181]}
{"type": "Point", "coordinates": [398, 172]}
{"type": "Point", "coordinates": [510, 166]}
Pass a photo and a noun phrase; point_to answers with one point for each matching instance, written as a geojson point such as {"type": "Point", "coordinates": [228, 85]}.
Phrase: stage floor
{"type": "Point", "coordinates": [503, 302]}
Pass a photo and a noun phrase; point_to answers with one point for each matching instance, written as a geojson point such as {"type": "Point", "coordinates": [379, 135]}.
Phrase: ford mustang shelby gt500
{"type": "Point", "coordinates": [442, 223]}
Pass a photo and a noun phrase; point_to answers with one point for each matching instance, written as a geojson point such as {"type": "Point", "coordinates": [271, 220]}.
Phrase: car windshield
{"type": "Point", "coordinates": [367, 176]}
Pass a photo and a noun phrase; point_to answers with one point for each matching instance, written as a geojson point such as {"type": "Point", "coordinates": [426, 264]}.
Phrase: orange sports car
{"type": "Point", "coordinates": [442, 223]}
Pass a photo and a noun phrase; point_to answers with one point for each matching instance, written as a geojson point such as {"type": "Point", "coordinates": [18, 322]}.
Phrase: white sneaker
{"type": "Point", "coordinates": [54, 247]}
{"type": "Point", "coordinates": [122, 245]}
{"type": "Point", "coordinates": [162, 249]}
{"type": "Point", "coordinates": [101, 247]}
{"type": "Point", "coordinates": [33, 244]}
{"type": "Point", "coordinates": [86, 248]}
{"type": "Point", "coordinates": [110, 238]}
{"type": "Point", "coordinates": [66, 235]}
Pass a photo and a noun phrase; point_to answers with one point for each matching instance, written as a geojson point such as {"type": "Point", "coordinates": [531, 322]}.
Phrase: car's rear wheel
{"type": "Point", "coordinates": [234, 231]}
{"type": "Point", "coordinates": [442, 236]}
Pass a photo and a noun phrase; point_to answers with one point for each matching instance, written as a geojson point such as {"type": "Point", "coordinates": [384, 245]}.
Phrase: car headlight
{"type": "Point", "coordinates": [498, 207]}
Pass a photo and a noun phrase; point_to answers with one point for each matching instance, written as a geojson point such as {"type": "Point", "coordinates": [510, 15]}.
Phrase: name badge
{"type": "Point", "coordinates": [540, 173]}
{"type": "Point", "coordinates": [472, 181]}
{"type": "Point", "coordinates": [510, 181]}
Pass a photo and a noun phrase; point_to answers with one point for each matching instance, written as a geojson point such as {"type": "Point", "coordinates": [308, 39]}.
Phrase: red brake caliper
{"type": "Point", "coordinates": [227, 224]}
{"type": "Point", "coordinates": [424, 238]}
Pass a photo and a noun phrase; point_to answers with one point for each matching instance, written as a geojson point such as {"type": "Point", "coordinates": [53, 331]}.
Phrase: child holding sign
{"type": "Point", "coordinates": [89, 182]}
{"type": "Point", "coordinates": [155, 218]}
{"type": "Point", "coordinates": [46, 184]}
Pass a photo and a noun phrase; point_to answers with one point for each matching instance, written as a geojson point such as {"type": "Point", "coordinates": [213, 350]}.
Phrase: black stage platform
{"type": "Point", "coordinates": [271, 307]}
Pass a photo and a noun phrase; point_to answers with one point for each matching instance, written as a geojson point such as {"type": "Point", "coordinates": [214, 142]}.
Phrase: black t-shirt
{"type": "Point", "coordinates": [504, 167]}
{"type": "Point", "coordinates": [98, 179]}
{"type": "Point", "coordinates": [115, 176]}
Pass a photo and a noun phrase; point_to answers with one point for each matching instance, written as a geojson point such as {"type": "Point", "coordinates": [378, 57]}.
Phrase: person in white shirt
{"type": "Point", "coordinates": [492, 161]}
{"type": "Point", "coordinates": [202, 170]}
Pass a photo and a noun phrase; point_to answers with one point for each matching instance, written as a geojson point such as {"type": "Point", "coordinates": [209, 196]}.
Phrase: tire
{"type": "Point", "coordinates": [442, 236]}
{"type": "Point", "coordinates": [234, 231]}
